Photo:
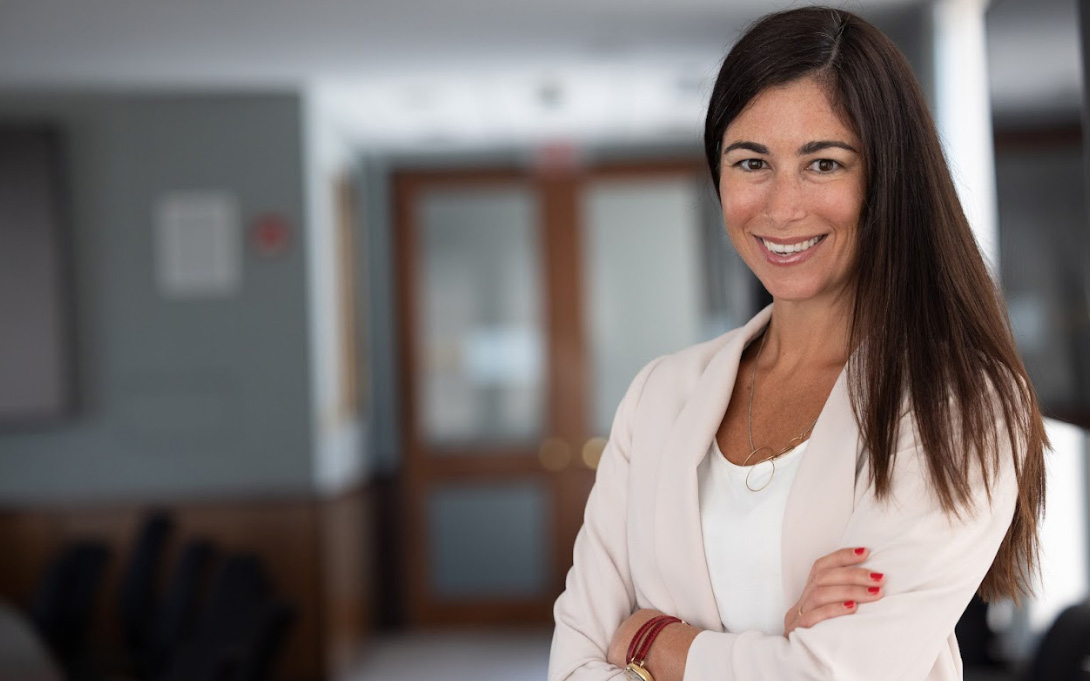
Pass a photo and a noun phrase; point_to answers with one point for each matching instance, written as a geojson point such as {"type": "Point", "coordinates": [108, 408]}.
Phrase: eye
{"type": "Point", "coordinates": [825, 165]}
{"type": "Point", "coordinates": [751, 164]}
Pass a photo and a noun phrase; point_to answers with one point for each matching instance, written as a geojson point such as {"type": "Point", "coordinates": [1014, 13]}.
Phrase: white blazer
{"type": "Point", "coordinates": [641, 544]}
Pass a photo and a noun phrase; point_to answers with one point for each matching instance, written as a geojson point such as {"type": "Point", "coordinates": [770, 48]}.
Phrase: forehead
{"type": "Point", "coordinates": [794, 113]}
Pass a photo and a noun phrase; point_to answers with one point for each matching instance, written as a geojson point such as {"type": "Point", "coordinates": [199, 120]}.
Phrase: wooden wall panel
{"type": "Point", "coordinates": [27, 540]}
{"type": "Point", "coordinates": [316, 551]}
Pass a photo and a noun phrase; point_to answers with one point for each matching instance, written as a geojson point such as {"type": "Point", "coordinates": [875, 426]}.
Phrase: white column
{"type": "Point", "coordinates": [963, 114]}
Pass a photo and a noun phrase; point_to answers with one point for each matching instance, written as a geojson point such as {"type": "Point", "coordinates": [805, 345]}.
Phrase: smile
{"type": "Point", "coordinates": [788, 249]}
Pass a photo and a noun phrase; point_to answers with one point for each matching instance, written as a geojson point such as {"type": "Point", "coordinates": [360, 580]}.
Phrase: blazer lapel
{"type": "Point", "coordinates": [823, 493]}
{"type": "Point", "coordinates": [679, 540]}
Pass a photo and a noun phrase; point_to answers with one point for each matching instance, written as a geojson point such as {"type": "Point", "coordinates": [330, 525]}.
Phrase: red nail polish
{"type": "Point", "coordinates": [849, 604]}
{"type": "Point", "coordinates": [859, 552]}
{"type": "Point", "coordinates": [872, 589]}
{"type": "Point", "coordinates": [876, 576]}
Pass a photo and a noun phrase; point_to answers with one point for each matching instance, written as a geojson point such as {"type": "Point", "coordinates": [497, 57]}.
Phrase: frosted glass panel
{"type": "Point", "coordinates": [481, 342]}
{"type": "Point", "coordinates": [487, 541]}
{"type": "Point", "coordinates": [644, 274]}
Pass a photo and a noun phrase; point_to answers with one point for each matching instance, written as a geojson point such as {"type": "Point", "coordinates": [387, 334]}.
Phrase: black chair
{"type": "Point", "coordinates": [137, 595]}
{"type": "Point", "coordinates": [64, 602]}
{"type": "Point", "coordinates": [239, 631]}
{"type": "Point", "coordinates": [976, 639]}
{"type": "Point", "coordinates": [176, 613]}
{"type": "Point", "coordinates": [274, 624]}
{"type": "Point", "coordinates": [1064, 651]}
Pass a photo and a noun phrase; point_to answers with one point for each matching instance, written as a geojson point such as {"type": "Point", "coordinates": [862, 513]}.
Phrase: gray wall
{"type": "Point", "coordinates": [911, 28]}
{"type": "Point", "coordinates": [177, 398]}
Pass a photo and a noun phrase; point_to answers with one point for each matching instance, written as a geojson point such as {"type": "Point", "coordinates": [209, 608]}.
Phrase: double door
{"type": "Point", "coordinates": [527, 302]}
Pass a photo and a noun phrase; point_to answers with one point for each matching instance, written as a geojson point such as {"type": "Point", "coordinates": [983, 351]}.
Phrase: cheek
{"type": "Point", "coordinates": [741, 204]}
{"type": "Point", "coordinates": [840, 208]}
{"type": "Point", "coordinates": [841, 211]}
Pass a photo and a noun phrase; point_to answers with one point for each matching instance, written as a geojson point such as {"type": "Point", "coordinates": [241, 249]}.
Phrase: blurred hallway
{"type": "Point", "coordinates": [355, 291]}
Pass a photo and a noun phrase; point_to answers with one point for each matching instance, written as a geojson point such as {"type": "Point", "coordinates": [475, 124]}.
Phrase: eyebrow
{"type": "Point", "coordinates": [812, 147]}
{"type": "Point", "coordinates": [808, 148]}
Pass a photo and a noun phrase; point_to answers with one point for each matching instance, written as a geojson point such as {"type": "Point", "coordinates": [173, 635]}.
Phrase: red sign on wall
{"type": "Point", "coordinates": [270, 235]}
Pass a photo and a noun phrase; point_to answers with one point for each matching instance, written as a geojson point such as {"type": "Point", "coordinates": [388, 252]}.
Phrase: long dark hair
{"type": "Point", "coordinates": [928, 322]}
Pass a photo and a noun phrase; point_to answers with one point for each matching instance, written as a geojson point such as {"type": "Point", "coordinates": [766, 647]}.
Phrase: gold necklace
{"type": "Point", "coordinates": [791, 444]}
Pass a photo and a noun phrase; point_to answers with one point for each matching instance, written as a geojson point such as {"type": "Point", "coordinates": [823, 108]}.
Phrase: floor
{"type": "Point", "coordinates": [483, 656]}
{"type": "Point", "coordinates": [520, 655]}
{"type": "Point", "coordinates": [981, 675]}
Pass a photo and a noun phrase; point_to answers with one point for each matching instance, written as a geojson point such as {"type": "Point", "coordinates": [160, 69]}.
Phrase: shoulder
{"type": "Point", "coordinates": [958, 458]}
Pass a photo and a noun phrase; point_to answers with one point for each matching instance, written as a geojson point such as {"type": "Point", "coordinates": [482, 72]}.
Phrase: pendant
{"type": "Point", "coordinates": [767, 481]}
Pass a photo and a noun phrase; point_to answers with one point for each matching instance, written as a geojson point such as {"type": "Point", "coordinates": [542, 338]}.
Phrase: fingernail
{"type": "Point", "coordinates": [859, 552]}
{"type": "Point", "coordinates": [849, 604]}
{"type": "Point", "coordinates": [876, 576]}
{"type": "Point", "coordinates": [873, 589]}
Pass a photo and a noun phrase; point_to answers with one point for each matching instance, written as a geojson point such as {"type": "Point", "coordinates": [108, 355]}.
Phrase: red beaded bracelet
{"type": "Point", "coordinates": [634, 644]}
{"type": "Point", "coordinates": [641, 646]}
{"type": "Point", "coordinates": [641, 653]}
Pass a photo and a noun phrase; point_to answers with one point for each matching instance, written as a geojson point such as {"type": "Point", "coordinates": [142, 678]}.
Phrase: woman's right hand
{"type": "Point", "coordinates": [836, 587]}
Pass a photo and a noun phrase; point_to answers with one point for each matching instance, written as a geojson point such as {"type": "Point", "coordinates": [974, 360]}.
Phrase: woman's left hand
{"type": "Point", "coordinates": [836, 587]}
{"type": "Point", "coordinates": [618, 648]}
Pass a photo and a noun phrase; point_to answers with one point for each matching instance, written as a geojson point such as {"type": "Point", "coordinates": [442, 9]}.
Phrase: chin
{"type": "Point", "coordinates": [800, 293]}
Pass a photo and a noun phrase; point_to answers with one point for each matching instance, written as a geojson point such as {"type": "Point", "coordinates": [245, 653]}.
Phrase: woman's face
{"type": "Point", "coordinates": [791, 185]}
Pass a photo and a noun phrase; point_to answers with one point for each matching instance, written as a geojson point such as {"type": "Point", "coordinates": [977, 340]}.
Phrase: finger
{"type": "Point", "coordinates": [811, 617]}
{"type": "Point", "coordinates": [848, 576]}
{"type": "Point", "coordinates": [829, 595]}
{"type": "Point", "coordinates": [842, 558]}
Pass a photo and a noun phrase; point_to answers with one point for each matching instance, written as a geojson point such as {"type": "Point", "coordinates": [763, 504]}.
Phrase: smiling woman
{"type": "Point", "coordinates": [818, 494]}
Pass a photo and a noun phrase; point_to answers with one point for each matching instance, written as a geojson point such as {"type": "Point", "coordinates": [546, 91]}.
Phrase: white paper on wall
{"type": "Point", "coordinates": [198, 245]}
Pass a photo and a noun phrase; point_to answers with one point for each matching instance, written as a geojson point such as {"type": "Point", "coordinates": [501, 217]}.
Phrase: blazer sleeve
{"type": "Point", "coordinates": [933, 563]}
{"type": "Point", "coordinates": [599, 594]}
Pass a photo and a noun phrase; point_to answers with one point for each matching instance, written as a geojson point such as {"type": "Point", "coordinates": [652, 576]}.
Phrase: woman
{"type": "Point", "coordinates": [818, 494]}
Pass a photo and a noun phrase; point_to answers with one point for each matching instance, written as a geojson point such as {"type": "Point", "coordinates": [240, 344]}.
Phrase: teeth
{"type": "Point", "coordinates": [788, 249]}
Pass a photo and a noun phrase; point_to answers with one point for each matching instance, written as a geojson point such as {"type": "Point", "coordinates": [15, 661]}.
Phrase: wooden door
{"type": "Point", "coordinates": [503, 367]}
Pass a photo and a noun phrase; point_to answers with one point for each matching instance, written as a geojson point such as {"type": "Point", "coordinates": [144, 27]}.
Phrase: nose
{"type": "Point", "coordinates": [785, 202]}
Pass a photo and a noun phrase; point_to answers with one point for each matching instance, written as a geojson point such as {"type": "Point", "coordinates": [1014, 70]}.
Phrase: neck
{"type": "Point", "coordinates": [808, 334]}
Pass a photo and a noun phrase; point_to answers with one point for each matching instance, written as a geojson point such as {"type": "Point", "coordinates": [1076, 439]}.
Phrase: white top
{"type": "Point", "coordinates": [743, 537]}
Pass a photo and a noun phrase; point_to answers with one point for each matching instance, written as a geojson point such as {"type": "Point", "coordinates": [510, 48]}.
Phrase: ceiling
{"type": "Point", "coordinates": [472, 69]}
{"type": "Point", "coordinates": [288, 41]}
